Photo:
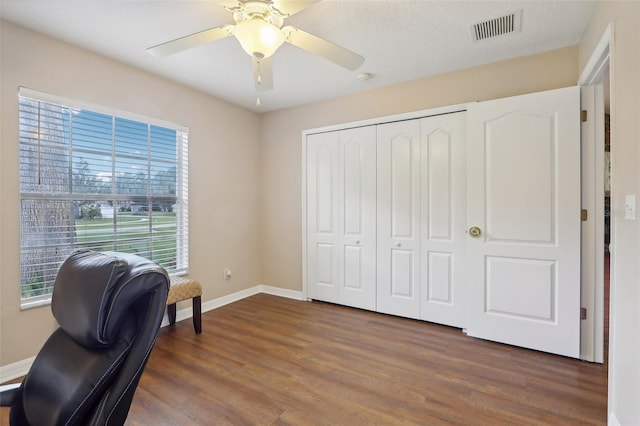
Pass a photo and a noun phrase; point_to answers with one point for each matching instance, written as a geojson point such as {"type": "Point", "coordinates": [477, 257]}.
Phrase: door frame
{"type": "Point", "coordinates": [592, 329]}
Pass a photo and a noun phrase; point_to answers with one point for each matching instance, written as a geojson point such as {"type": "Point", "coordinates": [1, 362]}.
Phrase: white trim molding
{"type": "Point", "coordinates": [448, 109]}
{"type": "Point", "coordinates": [210, 305]}
{"type": "Point", "coordinates": [603, 55]}
{"type": "Point", "coordinates": [16, 369]}
{"type": "Point", "coordinates": [282, 292]}
{"type": "Point", "coordinates": [613, 420]}
{"type": "Point", "coordinates": [599, 58]}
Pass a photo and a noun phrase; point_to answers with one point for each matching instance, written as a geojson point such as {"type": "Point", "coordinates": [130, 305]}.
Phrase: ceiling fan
{"type": "Point", "coordinates": [260, 31]}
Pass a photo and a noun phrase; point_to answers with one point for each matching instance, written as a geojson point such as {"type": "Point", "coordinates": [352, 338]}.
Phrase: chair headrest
{"type": "Point", "coordinates": [86, 290]}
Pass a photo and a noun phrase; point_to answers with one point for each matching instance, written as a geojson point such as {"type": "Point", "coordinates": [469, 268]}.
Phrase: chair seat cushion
{"type": "Point", "coordinates": [182, 289]}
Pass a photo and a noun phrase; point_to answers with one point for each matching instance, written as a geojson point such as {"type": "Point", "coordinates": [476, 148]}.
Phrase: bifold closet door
{"type": "Point", "coordinates": [399, 218]}
{"type": "Point", "coordinates": [443, 218]}
{"type": "Point", "coordinates": [341, 217]}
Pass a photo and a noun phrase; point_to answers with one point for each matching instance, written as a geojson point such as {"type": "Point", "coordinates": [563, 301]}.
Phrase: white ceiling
{"type": "Point", "coordinates": [402, 40]}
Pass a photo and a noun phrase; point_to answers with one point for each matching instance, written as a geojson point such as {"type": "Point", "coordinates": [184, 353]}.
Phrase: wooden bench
{"type": "Point", "coordinates": [183, 288]}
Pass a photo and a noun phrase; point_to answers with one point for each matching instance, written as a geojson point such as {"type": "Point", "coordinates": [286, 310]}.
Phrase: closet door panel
{"type": "Point", "coordinates": [437, 149]}
{"type": "Point", "coordinates": [399, 218]}
{"type": "Point", "coordinates": [443, 218]}
{"type": "Point", "coordinates": [402, 273]}
{"type": "Point", "coordinates": [324, 265]}
{"type": "Point", "coordinates": [439, 277]}
{"type": "Point", "coordinates": [357, 179]}
{"type": "Point", "coordinates": [386, 217]}
{"type": "Point", "coordinates": [323, 234]}
{"type": "Point", "coordinates": [353, 271]}
{"type": "Point", "coordinates": [401, 186]}
{"type": "Point", "coordinates": [352, 185]}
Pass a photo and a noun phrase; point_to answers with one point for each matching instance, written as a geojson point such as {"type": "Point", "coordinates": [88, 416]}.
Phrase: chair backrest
{"type": "Point", "coordinates": [109, 307]}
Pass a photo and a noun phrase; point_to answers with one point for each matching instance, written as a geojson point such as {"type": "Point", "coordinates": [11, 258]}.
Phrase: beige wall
{"type": "Point", "coordinates": [281, 138]}
{"type": "Point", "coordinates": [245, 169]}
{"type": "Point", "coordinates": [223, 156]}
{"type": "Point", "coordinates": [624, 355]}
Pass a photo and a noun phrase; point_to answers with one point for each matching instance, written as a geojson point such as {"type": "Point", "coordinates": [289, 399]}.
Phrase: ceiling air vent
{"type": "Point", "coordinates": [496, 27]}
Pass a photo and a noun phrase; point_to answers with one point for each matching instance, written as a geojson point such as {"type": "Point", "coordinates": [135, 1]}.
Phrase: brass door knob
{"type": "Point", "coordinates": [474, 232]}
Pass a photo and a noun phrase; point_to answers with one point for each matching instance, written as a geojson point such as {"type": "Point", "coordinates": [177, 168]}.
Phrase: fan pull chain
{"type": "Point", "coordinates": [259, 79]}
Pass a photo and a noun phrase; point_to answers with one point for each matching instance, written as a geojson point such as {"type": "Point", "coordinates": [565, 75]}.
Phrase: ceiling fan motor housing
{"type": "Point", "coordinates": [258, 29]}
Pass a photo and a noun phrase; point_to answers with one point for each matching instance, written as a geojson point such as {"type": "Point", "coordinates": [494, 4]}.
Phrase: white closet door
{"type": "Point", "coordinates": [443, 217]}
{"type": "Point", "coordinates": [357, 205]}
{"type": "Point", "coordinates": [399, 218]}
{"type": "Point", "coordinates": [323, 233]}
{"type": "Point", "coordinates": [341, 217]}
{"type": "Point", "coordinates": [524, 199]}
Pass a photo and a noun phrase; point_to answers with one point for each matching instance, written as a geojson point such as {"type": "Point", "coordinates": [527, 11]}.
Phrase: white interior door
{"type": "Point", "coordinates": [443, 219]}
{"type": "Point", "coordinates": [523, 168]}
{"type": "Point", "coordinates": [341, 217]}
{"type": "Point", "coordinates": [399, 218]}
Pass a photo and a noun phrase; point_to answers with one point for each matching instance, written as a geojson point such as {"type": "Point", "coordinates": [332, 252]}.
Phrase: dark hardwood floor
{"type": "Point", "coordinates": [272, 361]}
{"type": "Point", "coordinates": [266, 360]}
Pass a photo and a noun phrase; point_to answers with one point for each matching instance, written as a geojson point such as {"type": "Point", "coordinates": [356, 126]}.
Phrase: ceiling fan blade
{"type": "Point", "coordinates": [262, 74]}
{"type": "Point", "coordinates": [286, 8]}
{"type": "Point", "coordinates": [193, 40]}
{"type": "Point", "coordinates": [321, 47]}
{"type": "Point", "coordinates": [232, 6]}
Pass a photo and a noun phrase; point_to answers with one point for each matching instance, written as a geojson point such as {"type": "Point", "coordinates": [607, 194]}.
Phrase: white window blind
{"type": "Point", "coordinates": [100, 181]}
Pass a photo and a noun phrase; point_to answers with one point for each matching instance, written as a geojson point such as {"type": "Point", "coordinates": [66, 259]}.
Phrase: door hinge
{"type": "Point", "coordinates": [583, 313]}
{"type": "Point", "coordinates": [584, 215]}
{"type": "Point", "coordinates": [583, 115]}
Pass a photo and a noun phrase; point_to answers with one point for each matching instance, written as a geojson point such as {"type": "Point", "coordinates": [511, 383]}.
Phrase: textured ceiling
{"type": "Point", "coordinates": [401, 40]}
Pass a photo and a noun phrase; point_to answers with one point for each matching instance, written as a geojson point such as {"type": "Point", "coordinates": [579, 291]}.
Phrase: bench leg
{"type": "Point", "coordinates": [197, 314]}
{"type": "Point", "coordinates": [171, 313]}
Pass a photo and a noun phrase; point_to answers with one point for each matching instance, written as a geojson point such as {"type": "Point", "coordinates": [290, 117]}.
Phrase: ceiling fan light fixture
{"type": "Point", "coordinates": [258, 38]}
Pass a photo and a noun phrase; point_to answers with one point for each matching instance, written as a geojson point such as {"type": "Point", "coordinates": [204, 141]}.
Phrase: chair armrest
{"type": "Point", "coordinates": [8, 393]}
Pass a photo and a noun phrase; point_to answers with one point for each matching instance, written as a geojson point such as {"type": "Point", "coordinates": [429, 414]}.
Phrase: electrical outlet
{"type": "Point", "coordinates": [227, 274]}
{"type": "Point", "coordinates": [630, 207]}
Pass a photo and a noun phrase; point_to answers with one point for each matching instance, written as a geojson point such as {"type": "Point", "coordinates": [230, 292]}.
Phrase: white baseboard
{"type": "Point", "coordinates": [209, 305]}
{"type": "Point", "coordinates": [613, 420]}
{"type": "Point", "coordinates": [282, 292]}
{"type": "Point", "coordinates": [21, 368]}
{"type": "Point", "coordinates": [15, 370]}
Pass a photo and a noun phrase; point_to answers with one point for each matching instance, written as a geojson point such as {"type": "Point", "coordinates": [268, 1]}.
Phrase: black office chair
{"type": "Point", "coordinates": [109, 307]}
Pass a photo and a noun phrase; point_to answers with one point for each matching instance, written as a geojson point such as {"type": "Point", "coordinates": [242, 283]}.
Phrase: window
{"type": "Point", "coordinates": [92, 179]}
